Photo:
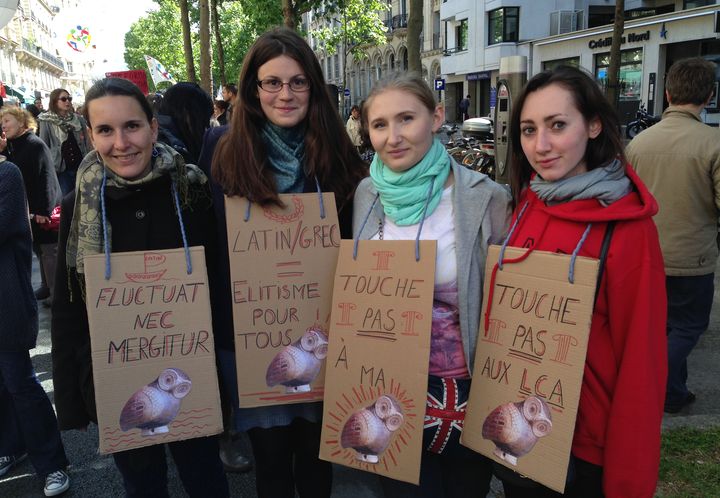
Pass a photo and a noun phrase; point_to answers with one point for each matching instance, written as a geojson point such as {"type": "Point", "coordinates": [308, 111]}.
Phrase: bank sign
{"type": "Point", "coordinates": [631, 38]}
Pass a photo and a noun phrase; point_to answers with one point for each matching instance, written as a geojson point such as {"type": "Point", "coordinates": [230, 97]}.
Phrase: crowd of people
{"type": "Point", "coordinates": [73, 185]}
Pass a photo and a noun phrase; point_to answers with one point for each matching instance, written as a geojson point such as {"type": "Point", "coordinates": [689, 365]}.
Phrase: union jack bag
{"type": "Point", "coordinates": [445, 414]}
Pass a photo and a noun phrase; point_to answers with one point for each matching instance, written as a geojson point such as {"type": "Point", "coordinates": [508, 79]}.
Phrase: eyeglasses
{"type": "Point", "coordinates": [274, 85]}
{"type": "Point", "coordinates": [65, 99]}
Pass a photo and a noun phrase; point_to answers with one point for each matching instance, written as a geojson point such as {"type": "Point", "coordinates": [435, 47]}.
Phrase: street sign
{"type": "Point", "coordinates": [439, 84]}
{"type": "Point", "coordinates": [347, 92]}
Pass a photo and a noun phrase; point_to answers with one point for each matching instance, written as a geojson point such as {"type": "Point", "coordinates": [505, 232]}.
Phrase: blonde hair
{"type": "Point", "coordinates": [24, 117]}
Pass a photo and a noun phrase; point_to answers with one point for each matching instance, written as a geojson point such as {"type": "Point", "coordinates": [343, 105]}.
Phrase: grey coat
{"type": "Point", "coordinates": [482, 214]}
{"type": "Point", "coordinates": [53, 142]}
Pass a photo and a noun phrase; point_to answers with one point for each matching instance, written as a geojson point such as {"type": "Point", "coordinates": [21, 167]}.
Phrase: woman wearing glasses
{"type": "Point", "coordinates": [278, 142]}
{"type": "Point", "coordinates": [65, 133]}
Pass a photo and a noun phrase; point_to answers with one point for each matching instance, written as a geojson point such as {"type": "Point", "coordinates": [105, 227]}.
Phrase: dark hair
{"type": "Point", "coordinates": [230, 87]}
{"type": "Point", "coordinates": [690, 81]}
{"type": "Point", "coordinates": [116, 87]}
{"type": "Point", "coordinates": [591, 103]}
{"type": "Point", "coordinates": [54, 97]}
{"type": "Point", "coordinates": [220, 103]}
{"type": "Point", "coordinates": [355, 108]}
{"type": "Point", "coordinates": [240, 160]}
{"type": "Point", "coordinates": [189, 107]}
{"type": "Point", "coordinates": [32, 109]}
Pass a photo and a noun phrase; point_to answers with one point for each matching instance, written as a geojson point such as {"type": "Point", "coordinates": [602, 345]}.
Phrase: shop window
{"type": "Point", "coordinates": [692, 4]}
{"type": "Point", "coordinates": [503, 25]}
{"type": "Point", "coordinates": [630, 78]}
{"type": "Point", "coordinates": [570, 61]}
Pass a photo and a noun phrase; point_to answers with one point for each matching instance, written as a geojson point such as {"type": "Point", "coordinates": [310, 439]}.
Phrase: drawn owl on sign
{"type": "Point", "coordinates": [516, 427]}
{"type": "Point", "coordinates": [297, 365]}
{"type": "Point", "coordinates": [154, 406]}
{"type": "Point", "coordinates": [368, 431]}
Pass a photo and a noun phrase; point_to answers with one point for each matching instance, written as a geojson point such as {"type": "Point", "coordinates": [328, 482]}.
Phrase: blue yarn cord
{"type": "Point", "coordinates": [509, 235]}
{"type": "Point", "coordinates": [367, 217]}
{"type": "Point", "coordinates": [106, 241]}
{"type": "Point", "coordinates": [422, 221]}
{"type": "Point", "coordinates": [571, 271]}
{"type": "Point", "coordinates": [320, 197]}
{"type": "Point", "coordinates": [188, 259]}
{"type": "Point", "coordinates": [247, 211]}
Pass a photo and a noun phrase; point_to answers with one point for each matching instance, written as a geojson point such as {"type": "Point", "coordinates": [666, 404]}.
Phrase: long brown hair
{"type": "Point", "coordinates": [240, 160]}
{"type": "Point", "coordinates": [591, 103]}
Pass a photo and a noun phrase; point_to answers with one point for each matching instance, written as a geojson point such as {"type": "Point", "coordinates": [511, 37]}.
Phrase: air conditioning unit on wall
{"type": "Point", "coordinates": [565, 21]}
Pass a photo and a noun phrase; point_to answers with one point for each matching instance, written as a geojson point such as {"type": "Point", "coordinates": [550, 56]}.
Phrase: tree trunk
{"type": "Point", "coordinates": [288, 14]}
{"type": "Point", "coordinates": [613, 89]}
{"type": "Point", "coordinates": [415, 25]}
{"type": "Point", "coordinates": [218, 41]}
{"type": "Point", "coordinates": [187, 43]}
{"type": "Point", "coordinates": [205, 51]}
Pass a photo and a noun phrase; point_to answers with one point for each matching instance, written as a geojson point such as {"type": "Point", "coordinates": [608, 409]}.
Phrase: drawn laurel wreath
{"type": "Point", "coordinates": [287, 218]}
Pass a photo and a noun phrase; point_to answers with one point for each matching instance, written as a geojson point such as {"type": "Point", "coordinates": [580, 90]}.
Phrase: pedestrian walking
{"type": "Point", "coordinates": [65, 133]}
{"type": "Point", "coordinates": [575, 194]}
{"type": "Point", "coordinates": [465, 108]}
{"type": "Point", "coordinates": [29, 427]}
{"type": "Point", "coordinates": [465, 212]}
{"type": "Point", "coordinates": [277, 143]}
{"type": "Point", "coordinates": [26, 150]}
{"type": "Point", "coordinates": [129, 187]}
{"type": "Point", "coordinates": [679, 160]}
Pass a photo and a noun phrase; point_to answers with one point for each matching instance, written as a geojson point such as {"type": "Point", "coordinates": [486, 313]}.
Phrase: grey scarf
{"type": "Point", "coordinates": [607, 184]}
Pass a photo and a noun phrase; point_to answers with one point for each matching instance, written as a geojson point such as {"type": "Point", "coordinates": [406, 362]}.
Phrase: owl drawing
{"type": "Point", "coordinates": [369, 430]}
{"type": "Point", "coordinates": [516, 427]}
{"type": "Point", "coordinates": [297, 364]}
{"type": "Point", "coordinates": [154, 406]}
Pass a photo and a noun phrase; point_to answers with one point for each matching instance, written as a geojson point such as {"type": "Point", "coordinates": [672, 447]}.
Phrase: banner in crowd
{"type": "Point", "coordinates": [529, 363]}
{"type": "Point", "coordinates": [377, 371]}
{"type": "Point", "coordinates": [153, 353]}
{"type": "Point", "coordinates": [158, 73]}
{"type": "Point", "coordinates": [137, 76]}
{"type": "Point", "coordinates": [282, 262]}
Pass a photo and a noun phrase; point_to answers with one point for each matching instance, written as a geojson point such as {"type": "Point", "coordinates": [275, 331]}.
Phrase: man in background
{"type": "Point", "coordinates": [679, 161]}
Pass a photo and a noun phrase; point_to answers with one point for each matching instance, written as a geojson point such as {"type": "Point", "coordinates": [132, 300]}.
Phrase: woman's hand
{"type": "Point", "coordinates": [41, 220]}
{"type": "Point", "coordinates": [3, 141]}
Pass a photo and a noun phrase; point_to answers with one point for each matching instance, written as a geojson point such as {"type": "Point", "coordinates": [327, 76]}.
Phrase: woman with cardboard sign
{"type": "Point", "coordinates": [576, 195]}
{"type": "Point", "coordinates": [133, 194]}
{"type": "Point", "coordinates": [416, 191]}
{"type": "Point", "coordinates": [283, 139]}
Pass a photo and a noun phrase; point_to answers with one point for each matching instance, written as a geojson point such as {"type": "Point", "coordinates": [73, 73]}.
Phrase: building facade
{"type": "Point", "coordinates": [32, 62]}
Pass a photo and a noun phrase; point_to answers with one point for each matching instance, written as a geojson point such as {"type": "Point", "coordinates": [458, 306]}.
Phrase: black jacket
{"type": "Point", "coordinates": [141, 219]}
{"type": "Point", "coordinates": [32, 156]}
{"type": "Point", "coordinates": [18, 308]}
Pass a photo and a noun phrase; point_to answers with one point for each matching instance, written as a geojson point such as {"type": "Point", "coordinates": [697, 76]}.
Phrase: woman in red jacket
{"type": "Point", "coordinates": [571, 184]}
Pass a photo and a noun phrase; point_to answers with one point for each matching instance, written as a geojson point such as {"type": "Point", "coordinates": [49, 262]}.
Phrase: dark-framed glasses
{"type": "Point", "coordinates": [274, 85]}
{"type": "Point", "coordinates": [65, 99]}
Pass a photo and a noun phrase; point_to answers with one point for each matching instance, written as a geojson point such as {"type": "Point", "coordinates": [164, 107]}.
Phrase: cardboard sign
{"type": "Point", "coordinates": [153, 352]}
{"type": "Point", "coordinates": [529, 364]}
{"type": "Point", "coordinates": [282, 263]}
{"type": "Point", "coordinates": [378, 357]}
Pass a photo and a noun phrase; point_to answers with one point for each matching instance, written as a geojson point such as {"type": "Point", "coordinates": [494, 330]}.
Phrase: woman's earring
{"type": "Point", "coordinates": [155, 152]}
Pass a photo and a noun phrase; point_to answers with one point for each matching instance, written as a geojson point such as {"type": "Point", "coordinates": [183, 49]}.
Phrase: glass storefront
{"type": "Point", "coordinates": [630, 78]}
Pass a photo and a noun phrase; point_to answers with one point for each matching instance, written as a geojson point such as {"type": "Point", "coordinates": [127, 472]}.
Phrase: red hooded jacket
{"type": "Point", "coordinates": [623, 389]}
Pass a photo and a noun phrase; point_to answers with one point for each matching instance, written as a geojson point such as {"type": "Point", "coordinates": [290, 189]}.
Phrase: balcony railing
{"type": "Point", "coordinates": [396, 22]}
{"type": "Point", "coordinates": [42, 53]}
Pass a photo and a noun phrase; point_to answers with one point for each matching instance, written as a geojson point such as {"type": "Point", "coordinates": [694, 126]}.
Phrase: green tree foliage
{"type": "Point", "coordinates": [354, 25]}
{"type": "Point", "coordinates": [159, 34]}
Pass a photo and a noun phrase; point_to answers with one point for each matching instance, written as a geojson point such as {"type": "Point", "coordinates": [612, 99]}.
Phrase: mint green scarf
{"type": "Point", "coordinates": [404, 195]}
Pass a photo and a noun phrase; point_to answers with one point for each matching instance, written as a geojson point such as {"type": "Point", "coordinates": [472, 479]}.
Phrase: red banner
{"type": "Point", "coordinates": [137, 76]}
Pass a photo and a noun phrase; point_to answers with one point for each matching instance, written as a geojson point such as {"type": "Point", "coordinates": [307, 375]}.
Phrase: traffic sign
{"type": "Point", "coordinates": [347, 92]}
{"type": "Point", "coordinates": [439, 84]}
